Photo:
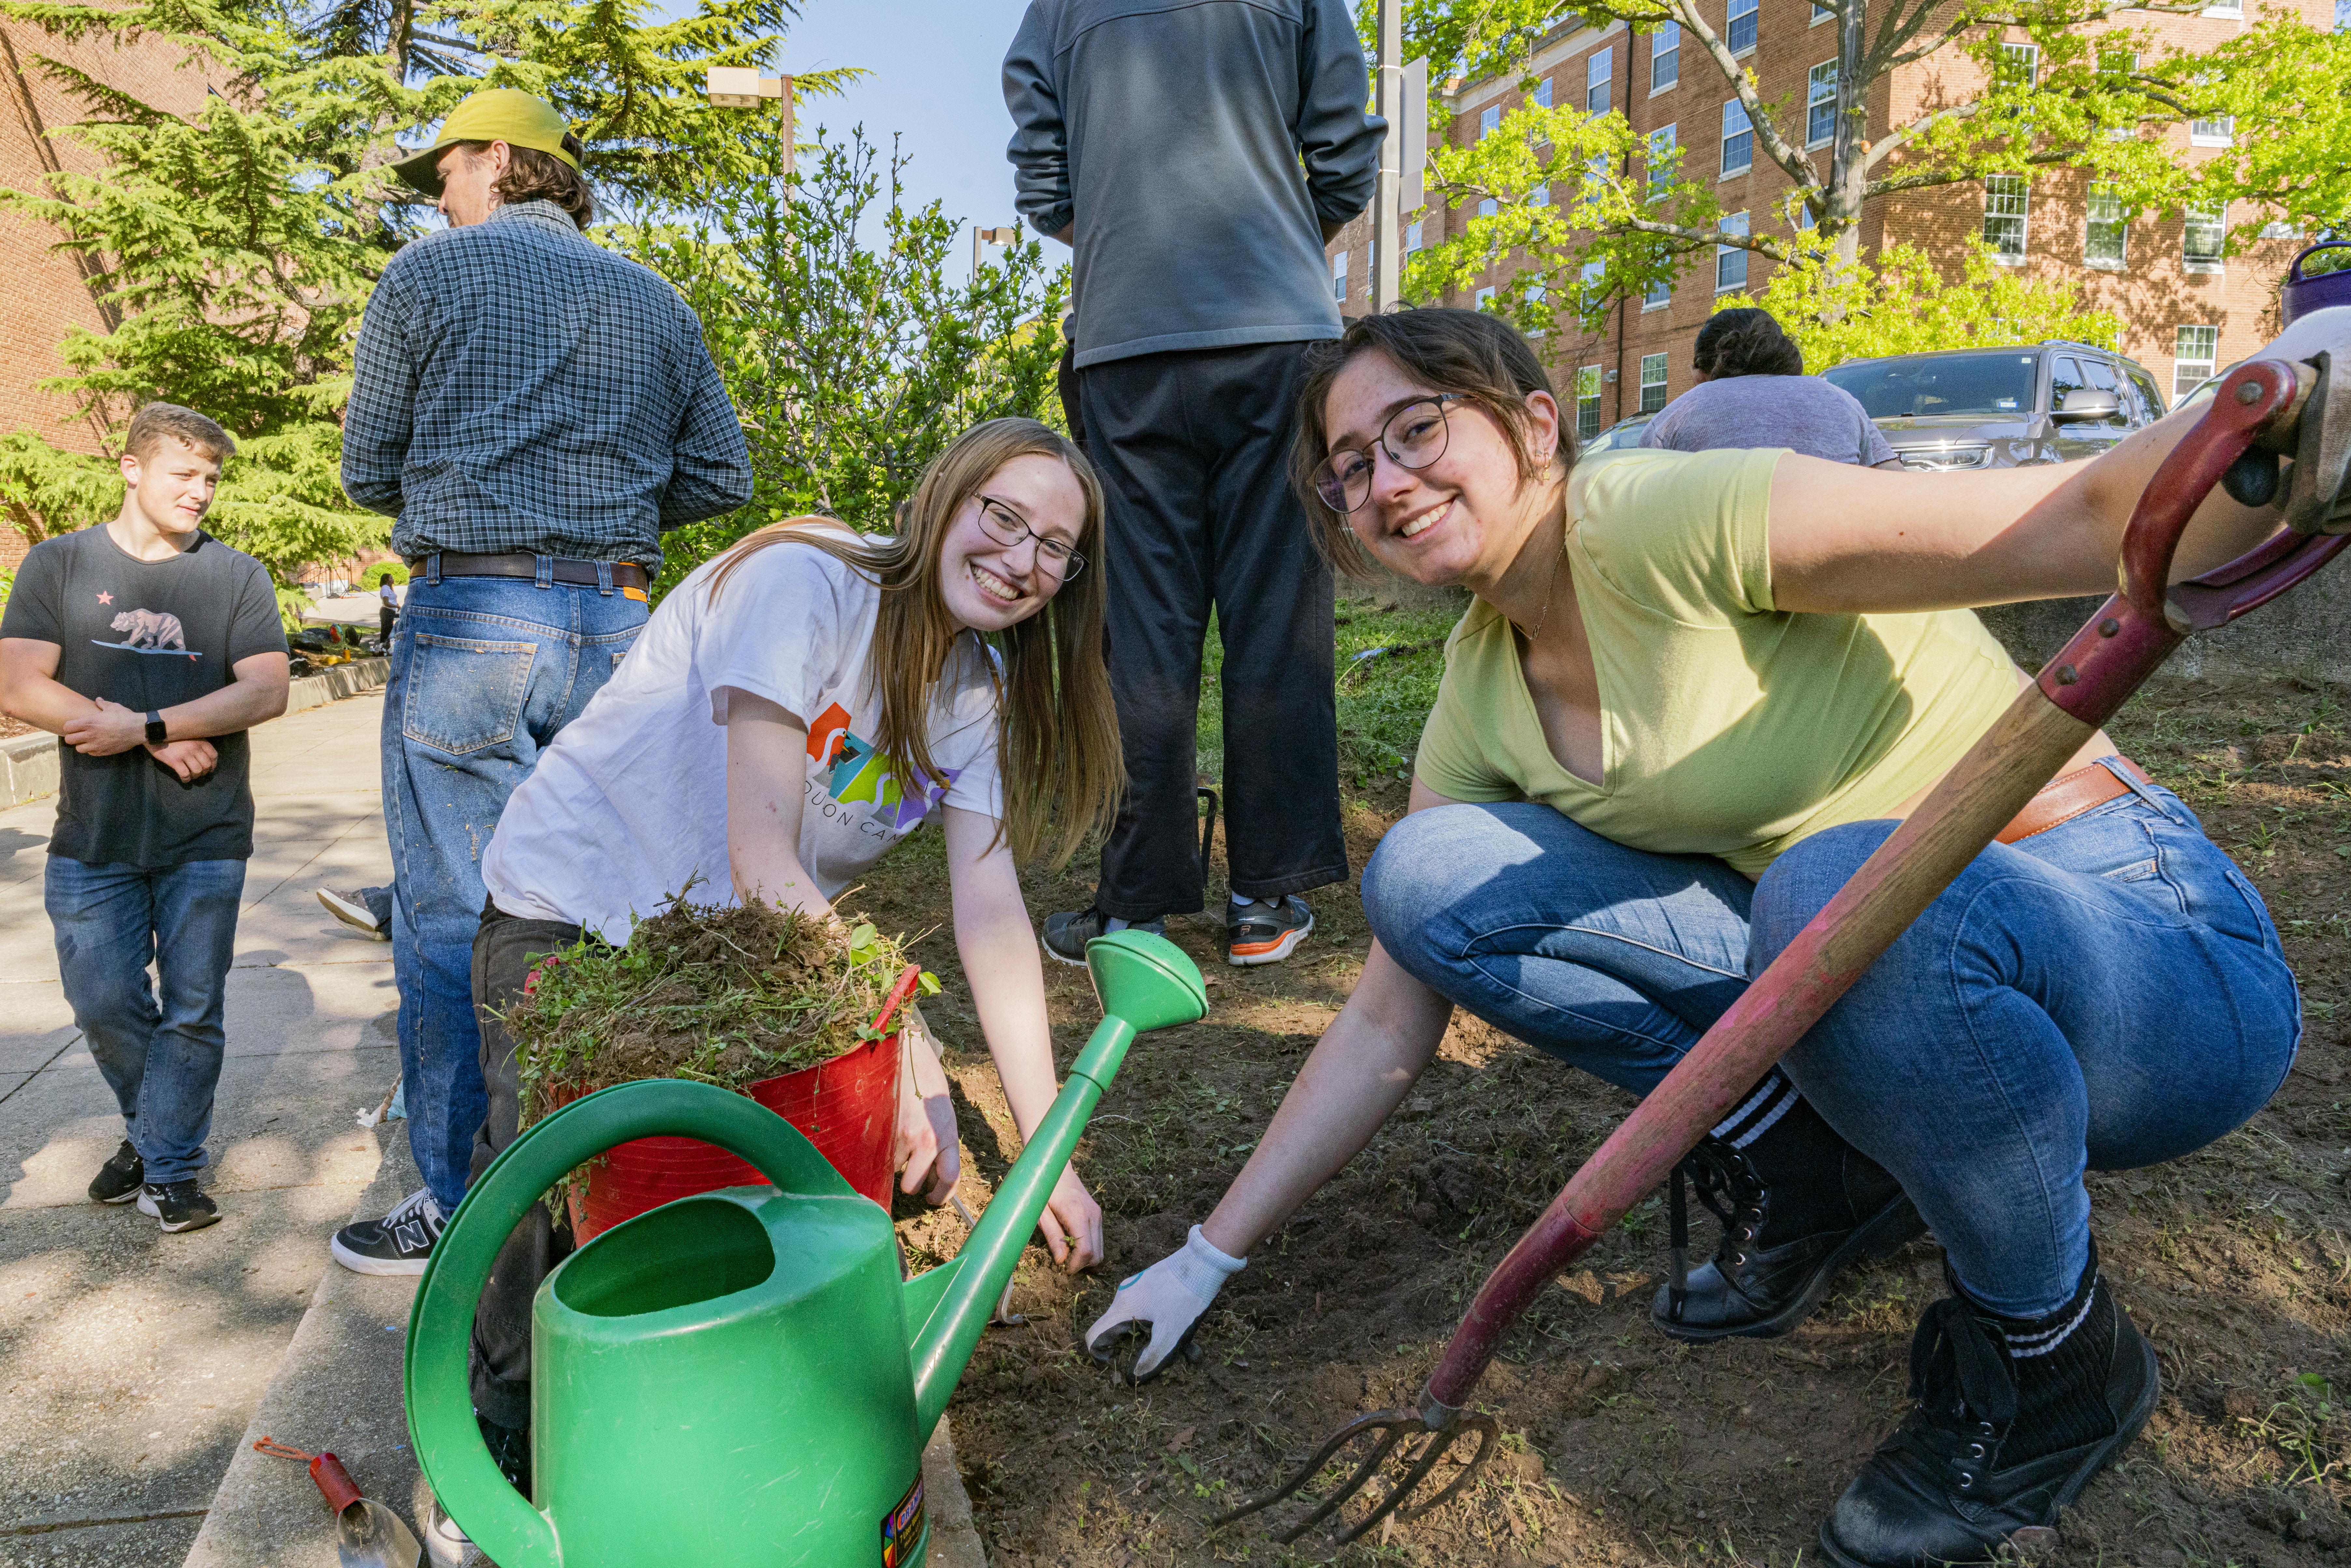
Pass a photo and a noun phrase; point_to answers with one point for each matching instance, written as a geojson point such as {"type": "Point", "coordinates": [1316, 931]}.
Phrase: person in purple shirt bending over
{"type": "Point", "coordinates": [1752, 392]}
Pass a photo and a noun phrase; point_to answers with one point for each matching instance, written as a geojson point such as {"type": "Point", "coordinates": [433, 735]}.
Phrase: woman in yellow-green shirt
{"type": "Point", "coordinates": [1692, 693]}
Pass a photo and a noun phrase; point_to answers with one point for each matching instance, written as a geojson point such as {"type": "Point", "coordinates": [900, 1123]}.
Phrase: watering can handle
{"type": "Point", "coordinates": [440, 1328]}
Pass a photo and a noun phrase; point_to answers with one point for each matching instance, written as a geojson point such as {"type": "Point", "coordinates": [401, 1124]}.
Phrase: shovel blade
{"type": "Point", "coordinates": [370, 1535]}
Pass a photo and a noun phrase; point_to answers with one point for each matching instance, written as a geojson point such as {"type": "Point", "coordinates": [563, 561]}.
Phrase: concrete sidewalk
{"type": "Point", "coordinates": [131, 1361]}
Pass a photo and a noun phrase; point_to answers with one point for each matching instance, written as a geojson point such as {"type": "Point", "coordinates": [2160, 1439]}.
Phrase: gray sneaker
{"type": "Point", "coordinates": [1068, 931]}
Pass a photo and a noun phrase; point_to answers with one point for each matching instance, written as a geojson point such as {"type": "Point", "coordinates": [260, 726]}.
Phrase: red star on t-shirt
{"type": "Point", "coordinates": [106, 599]}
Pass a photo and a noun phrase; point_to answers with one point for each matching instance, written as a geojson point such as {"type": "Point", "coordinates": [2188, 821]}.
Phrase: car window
{"type": "Point", "coordinates": [2103, 379]}
{"type": "Point", "coordinates": [1985, 386]}
{"type": "Point", "coordinates": [2147, 393]}
{"type": "Point", "coordinates": [2065, 376]}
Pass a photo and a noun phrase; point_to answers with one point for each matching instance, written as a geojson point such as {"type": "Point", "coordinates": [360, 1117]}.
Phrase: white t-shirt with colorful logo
{"type": "Point", "coordinates": [629, 802]}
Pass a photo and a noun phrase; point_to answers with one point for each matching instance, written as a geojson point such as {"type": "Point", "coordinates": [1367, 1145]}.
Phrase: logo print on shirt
{"type": "Point", "coordinates": [855, 769]}
{"type": "Point", "coordinates": [149, 631]}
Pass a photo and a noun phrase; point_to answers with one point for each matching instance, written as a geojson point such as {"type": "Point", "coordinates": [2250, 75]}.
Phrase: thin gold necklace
{"type": "Point", "coordinates": [1550, 592]}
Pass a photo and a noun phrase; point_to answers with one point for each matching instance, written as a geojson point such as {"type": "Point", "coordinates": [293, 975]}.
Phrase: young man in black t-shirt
{"type": "Point", "coordinates": [149, 648]}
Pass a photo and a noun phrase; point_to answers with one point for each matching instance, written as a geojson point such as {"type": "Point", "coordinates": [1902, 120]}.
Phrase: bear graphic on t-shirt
{"type": "Point", "coordinates": [150, 629]}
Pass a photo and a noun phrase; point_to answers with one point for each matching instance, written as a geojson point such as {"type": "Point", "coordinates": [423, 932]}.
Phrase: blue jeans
{"type": "Point", "coordinates": [2106, 994]}
{"type": "Point", "coordinates": [162, 1062]}
{"type": "Point", "coordinates": [484, 669]}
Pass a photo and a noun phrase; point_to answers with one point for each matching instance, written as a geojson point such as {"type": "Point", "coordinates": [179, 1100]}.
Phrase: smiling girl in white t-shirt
{"type": "Point", "coordinates": [800, 705]}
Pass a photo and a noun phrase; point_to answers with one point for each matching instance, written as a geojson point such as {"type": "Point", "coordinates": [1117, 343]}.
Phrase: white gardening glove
{"type": "Point", "coordinates": [1169, 1299]}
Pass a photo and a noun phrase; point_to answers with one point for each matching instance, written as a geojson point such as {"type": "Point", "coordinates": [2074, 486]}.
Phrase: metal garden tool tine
{"type": "Point", "coordinates": [1395, 1426]}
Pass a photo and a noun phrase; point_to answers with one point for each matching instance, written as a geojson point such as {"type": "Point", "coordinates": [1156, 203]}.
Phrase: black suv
{"type": "Point", "coordinates": [2003, 408]}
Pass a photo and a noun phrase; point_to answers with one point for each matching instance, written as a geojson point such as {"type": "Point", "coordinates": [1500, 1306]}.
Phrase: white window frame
{"type": "Point", "coordinates": [2029, 55]}
{"type": "Point", "coordinates": [1652, 362]}
{"type": "Point", "coordinates": [1488, 207]}
{"type": "Point", "coordinates": [1736, 11]}
{"type": "Point", "coordinates": [2214, 259]}
{"type": "Point", "coordinates": [2187, 372]}
{"type": "Point", "coordinates": [2225, 10]}
{"type": "Point", "coordinates": [1484, 298]}
{"type": "Point", "coordinates": [1821, 14]}
{"type": "Point", "coordinates": [1666, 47]}
{"type": "Point", "coordinates": [1671, 134]}
{"type": "Point", "coordinates": [2129, 58]}
{"type": "Point", "coordinates": [1813, 100]}
{"type": "Point", "coordinates": [1730, 224]}
{"type": "Point", "coordinates": [2000, 190]}
{"type": "Point", "coordinates": [1658, 295]}
{"type": "Point", "coordinates": [1412, 238]}
{"type": "Point", "coordinates": [1599, 79]}
{"type": "Point", "coordinates": [1732, 108]}
{"type": "Point", "coordinates": [1587, 376]}
{"type": "Point", "coordinates": [1339, 276]}
{"type": "Point", "coordinates": [1490, 120]}
{"type": "Point", "coordinates": [1541, 97]}
{"type": "Point", "coordinates": [2220, 130]}
{"type": "Point", "coordinates": [2104, 196]}
{"type": "Point", "coordinates": [1541, 196]}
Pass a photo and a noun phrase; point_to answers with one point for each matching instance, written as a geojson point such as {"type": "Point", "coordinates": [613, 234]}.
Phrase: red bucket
{"type": "Point", "coordinates": [847, 1107]}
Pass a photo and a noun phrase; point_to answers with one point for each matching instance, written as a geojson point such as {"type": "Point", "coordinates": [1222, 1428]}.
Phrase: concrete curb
{"type": "Point", "coordinates": [28, 763]}
{"type": "Point", "coordinates": [337, 1388]}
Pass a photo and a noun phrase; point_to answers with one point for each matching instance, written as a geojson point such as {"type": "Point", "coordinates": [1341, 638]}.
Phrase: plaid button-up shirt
{"type": "Point", "coordinates": [520, 388]}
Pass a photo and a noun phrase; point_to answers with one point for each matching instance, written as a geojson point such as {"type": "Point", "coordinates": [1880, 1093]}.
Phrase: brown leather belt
{"type": "Point", "coordinates": [626, 574]}
{"type": "Point", "coordinates": [2069, 795]}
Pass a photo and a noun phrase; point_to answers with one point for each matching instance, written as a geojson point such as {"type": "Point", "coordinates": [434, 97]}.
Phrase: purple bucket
{"type": "Point", "coordinates": [2304, 291]}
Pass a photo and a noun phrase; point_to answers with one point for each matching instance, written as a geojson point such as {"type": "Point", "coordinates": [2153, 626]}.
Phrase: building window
{"type": "Point", "coordinates": [1599, 70]}
{"type": "Point", "coordinates": [2115, 69]}
{"type": "Point", "coordinates": [1541, 196]}
{"type": "Point", "coordinates": [2207, 238]}
{"type": "Point", "coordinates": [1339, 278]}
{"type": "Point", "coordinates": [1730, 260]}
{"type": "Point", "coordinates": [1490, 120]}
{"type": "Point", "coordinates": [1653, 382]}
{"type": "Point", "coordinates": [2194, 357]}
{"type": "Point", "coordinates": [1738, 139]}
{"type": "Point", "coordinates": [1821, 14]}
{"type": "Point", "coordinates": [1665, 55]}
{"type": "Point", "coordinates": [1805, 222]}
{"type": "Point", "coordinates": [2217, 132]}
{"type": "Point", "coordinates": [1411, 239]}
{"type": "Point", "coordinates": [2105, 241]}
{"type": "Point", "coordinates": [2019, 65]}
{"type": "Point", "coordinates": [1820, 104]}
{"type": "Point", "coordinates": [1742, 26]}
{"type": "Point", "coordinates": [2231, 9]}
{"type": "Point", "coordinates": [1661, 161]}
{"type": "Point", "coordinates": [1659, 295]}
{"type": "Point", "coordinates": [1587, 402]}
{"type": "Point", "coordinates": [2006, 200]}
{"type": "Point", "coordinates": [1542, 93]}
{"type": "Point", "coordinates": [1484, 298]}
{"type": "Point", "coordinates": [1488, 207]}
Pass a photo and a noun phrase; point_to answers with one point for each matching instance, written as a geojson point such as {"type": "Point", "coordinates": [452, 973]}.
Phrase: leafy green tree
{"type": "Point", "coordinates": [852, 364]}
{"type": "Point", "coordinates": [1603, 213]}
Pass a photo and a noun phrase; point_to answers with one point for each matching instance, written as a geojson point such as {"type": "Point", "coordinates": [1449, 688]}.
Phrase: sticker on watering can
{"type": "Point", "coordinates": [902, 1530]}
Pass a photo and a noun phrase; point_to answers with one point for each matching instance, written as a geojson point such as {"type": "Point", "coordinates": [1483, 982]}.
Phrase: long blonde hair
{"type": "Point", "coordinates": [1057, 732]}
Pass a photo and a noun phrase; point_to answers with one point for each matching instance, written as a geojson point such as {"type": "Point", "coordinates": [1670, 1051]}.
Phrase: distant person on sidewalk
{"type": "Point", "coordinates": [1165, 145]}
{"type": "Point", "coordinates": [535, 411]}
{"type": "Point", "coordinates": [149, 647]}
{"type": "Point", "coordinates": [1752, 390]}
{"type": "Point", "coordinates": [387, 614]}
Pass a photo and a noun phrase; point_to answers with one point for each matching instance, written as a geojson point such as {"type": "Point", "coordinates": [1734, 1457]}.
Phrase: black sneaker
{"type": "Point", "coordinates": [351, 909]}
{"type": "Point", "coordinates": [1068, 931]}
{"type": "Point", "coordinates": [2012, 1417]}
{"type": "Point", "coordinates": [1797, 1203]}
{"type": "Point", "coordinates": [1267, 931]}
{"type": "Point", "coordinates": [399, 1243]}
{"type": "Point", "coordinates": [119, 1178]}
{"type": "Point", "coordinates": [178, 1206]}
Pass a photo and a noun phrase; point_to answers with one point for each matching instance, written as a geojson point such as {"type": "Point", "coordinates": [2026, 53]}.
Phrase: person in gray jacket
{"type": "Point", "coordinates": [1199, 156]}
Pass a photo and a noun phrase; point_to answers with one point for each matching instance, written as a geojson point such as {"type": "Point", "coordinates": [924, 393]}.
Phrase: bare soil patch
{"type": "Point", "coordinates": [1624, 1447]}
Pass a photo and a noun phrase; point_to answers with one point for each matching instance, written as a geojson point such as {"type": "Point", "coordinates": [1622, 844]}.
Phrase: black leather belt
{"type": "Point", "coordinates": [626, 574]}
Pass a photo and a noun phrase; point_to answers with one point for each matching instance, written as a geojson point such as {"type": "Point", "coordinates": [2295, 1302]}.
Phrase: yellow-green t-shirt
{"type": "Point", "coordinates": [1728, 727]}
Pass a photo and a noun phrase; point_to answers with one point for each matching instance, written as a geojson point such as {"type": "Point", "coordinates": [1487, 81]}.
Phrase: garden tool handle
{"type": "Point", "coordinates": [2049, 721]}
{"type": "Point", "coordinates": [441, 1422]}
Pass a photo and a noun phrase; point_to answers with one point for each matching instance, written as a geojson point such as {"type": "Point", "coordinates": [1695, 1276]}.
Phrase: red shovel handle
{"type": "Point", "coordinates": [2049, 721]}
{"type": "Point", "coordinates": [334, 1482]}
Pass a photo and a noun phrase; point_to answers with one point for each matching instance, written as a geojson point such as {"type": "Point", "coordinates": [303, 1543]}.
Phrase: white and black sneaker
{"type": "Point", "coordinates": [178, 1205]}
{"type": "Point", "coordinates": [119, 1178]}
{"type": "Point", "coordinates": [399, 1243]}
{"type": "Point", "coordinates": [351, 909]}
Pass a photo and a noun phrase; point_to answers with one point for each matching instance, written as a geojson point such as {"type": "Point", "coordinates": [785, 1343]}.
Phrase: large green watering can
{"type": "Point", "coordinates": [739, 1378]}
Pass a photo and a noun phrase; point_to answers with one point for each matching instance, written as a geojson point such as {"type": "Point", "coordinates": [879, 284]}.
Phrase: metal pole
{"type": "Point", "coordinates": [1387, 206]}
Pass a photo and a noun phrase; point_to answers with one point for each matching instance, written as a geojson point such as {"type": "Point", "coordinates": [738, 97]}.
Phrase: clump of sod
{"type": "Point", "coordinates": [720, 994]}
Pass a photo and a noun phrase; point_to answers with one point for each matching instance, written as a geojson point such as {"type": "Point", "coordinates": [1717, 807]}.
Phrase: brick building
{"type": "Point", "coordinates": [44, 292]}
{"type": "Point", "coordinates": [2184, 309]}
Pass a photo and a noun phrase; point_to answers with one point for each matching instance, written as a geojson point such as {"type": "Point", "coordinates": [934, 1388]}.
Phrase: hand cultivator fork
{"type": "Point", "coordinates": [2266, 408]}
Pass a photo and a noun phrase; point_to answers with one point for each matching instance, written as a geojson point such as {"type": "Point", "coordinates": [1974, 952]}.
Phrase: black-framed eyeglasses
{"type": "Point", "coordinates": [1010, 528]}
{"type": "Point", "coordinates": [1413, 437]}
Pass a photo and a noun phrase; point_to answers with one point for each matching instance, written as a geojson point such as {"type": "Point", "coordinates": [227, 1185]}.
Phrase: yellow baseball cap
{"type": "Point", "coordinates": [504, 114]}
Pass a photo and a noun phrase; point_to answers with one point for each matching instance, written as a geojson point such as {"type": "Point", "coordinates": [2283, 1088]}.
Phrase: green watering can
{"type": "Point", "coordinates": [739, 1377]}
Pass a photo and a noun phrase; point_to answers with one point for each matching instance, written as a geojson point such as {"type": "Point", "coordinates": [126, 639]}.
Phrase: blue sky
{"type": "Point", "coordinates": [935, 83]}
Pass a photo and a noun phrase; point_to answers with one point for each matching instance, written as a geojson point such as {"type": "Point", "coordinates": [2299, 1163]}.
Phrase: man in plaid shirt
{"type": "Point", "coordinates": [535, 411]}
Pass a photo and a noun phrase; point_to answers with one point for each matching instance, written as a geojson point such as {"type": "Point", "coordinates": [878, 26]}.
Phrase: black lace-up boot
{"type": "Point", "coordinates": [1797, 1203]}
{"type": "Point", "coordinates": [2012, 1417]}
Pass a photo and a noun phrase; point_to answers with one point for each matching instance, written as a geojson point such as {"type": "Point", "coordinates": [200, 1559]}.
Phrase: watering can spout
{"type": "Point", "coordinates": [1143, 982]}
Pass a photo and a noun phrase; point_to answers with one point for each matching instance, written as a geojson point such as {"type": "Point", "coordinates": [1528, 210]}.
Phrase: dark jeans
{"type": "Point", "coordinates": [485, 671]}
{"type": "Point", "coordinates": [2109, 993]}
{"type": "Point", "coordinates": [164, 1061]}
{"type": "Point", "coordinates": [1194, 451]}
{"type": "Point", "coordinates": [504, 948]}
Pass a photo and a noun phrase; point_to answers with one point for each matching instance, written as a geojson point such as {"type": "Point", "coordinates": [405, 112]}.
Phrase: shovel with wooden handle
{"type": "Point", "coordinates": [2264, 408]}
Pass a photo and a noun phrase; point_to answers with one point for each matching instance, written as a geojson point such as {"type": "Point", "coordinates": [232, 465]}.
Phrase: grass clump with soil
{"type": "Point", "coordinates": [720, 994]}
